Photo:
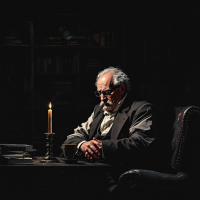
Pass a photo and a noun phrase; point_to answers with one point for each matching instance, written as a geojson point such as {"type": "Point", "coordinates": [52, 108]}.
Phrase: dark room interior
{"type": "Point", "coordinates": [51, 51]}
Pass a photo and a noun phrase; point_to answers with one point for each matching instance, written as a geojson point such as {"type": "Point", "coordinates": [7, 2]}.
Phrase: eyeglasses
{"type": "Point", "coordinates": [106, 93]}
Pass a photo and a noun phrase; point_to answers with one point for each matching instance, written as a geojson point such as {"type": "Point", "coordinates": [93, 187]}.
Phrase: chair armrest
{"type": "Point", "coordinates": [149, 178]}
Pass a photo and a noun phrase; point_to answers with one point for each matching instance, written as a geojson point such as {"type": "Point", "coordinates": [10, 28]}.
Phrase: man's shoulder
{"type": "Point", "coordinates": [140, 105]}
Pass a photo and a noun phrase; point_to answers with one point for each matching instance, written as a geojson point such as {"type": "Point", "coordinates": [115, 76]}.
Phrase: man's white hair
{"type": "Point", "coordinates": [119, 77]}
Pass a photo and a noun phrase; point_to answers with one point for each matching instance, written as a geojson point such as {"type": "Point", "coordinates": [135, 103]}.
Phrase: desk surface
{"type": "Point", "coordinates": [61, 165]}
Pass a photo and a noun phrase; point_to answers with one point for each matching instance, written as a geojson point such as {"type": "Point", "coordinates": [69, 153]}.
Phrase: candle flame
{"type": "Point", "coordinates": [50, 105]}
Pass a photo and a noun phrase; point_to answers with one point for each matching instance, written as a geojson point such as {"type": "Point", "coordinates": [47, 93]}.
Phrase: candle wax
{"type": "Point", "coordinates": [49, 121]}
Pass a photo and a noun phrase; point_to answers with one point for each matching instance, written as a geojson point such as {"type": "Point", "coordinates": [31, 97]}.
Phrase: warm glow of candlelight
{"type": "Point", "coordinates": [50, 105]}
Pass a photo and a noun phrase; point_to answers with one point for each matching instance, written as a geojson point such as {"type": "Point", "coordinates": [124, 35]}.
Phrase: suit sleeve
{"type": "Point", "coordinates": [139, 143]}
{"type": "Point", "coordinates": [81, 133]}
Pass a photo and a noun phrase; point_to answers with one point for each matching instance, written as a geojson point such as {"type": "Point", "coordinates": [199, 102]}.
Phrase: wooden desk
{"type": "Point", "coordinates": [52, 181]}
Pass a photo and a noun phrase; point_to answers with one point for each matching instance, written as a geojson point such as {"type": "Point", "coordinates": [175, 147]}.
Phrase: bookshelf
{"type": "Point", "coordinates": [41, 63]}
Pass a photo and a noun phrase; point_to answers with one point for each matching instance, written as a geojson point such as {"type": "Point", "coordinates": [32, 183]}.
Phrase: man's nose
{"type": "Point", "coordinates": [102, 97]}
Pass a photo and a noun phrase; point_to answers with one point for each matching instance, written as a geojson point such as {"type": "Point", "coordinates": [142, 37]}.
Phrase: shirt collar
{"type": "Point", "coordinates": [116, 107]}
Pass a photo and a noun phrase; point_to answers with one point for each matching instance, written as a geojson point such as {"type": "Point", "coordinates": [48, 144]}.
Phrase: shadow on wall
{"type": "Point", "coordinates": [167, 94]}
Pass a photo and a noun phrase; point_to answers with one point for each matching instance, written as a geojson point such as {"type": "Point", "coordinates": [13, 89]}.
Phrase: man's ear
{"type": "Point", "coordinates": [122, 89]}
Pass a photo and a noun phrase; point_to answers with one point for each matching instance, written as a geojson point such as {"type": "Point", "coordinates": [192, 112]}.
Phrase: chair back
{"type": "Point", "coordinates": [185, 142]}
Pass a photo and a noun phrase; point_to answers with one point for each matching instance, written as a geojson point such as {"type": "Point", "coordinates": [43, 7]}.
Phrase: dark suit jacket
{"type": "Point", "coordinates": [132, 134]}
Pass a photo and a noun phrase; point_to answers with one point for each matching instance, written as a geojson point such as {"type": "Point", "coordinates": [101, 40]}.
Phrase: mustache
{"type": "Point", "coordinates": [108, 103]}
{"type": "Point", "coordinates": [102, 103]}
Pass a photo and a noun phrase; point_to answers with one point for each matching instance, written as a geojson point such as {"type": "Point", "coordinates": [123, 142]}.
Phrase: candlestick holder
{"type": "Point", "coordinates": [49, 155]}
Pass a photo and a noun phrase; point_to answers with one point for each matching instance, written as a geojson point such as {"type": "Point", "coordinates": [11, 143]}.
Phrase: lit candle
{"type": "Point", "coordinates": [50, 119]}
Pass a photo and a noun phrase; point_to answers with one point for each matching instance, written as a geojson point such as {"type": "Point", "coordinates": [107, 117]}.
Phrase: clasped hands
{"type": "Point", "coordinates": [92, 149]}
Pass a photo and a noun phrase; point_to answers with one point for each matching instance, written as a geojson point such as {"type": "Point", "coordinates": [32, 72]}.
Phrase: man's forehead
{"type": "Point", "coordinates": [100, 87]}
{"type": "Point", "coordinates": [105, 80]}
{"type": "Point", "coordinates": [103, 88]}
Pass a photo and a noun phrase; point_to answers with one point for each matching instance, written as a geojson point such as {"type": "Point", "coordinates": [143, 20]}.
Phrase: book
{"type": "Point", "coordinates": [13, 152]}
{"type": "Point", "coordinates": [29, 152]}
{"type": "Point", "coordinates": [54, 40]}
{"type": "Point", "coordinates": [50, 68]}
{"type": "Point", "coordinates": [16, 153]}
{"type": "Point", "coordinates": [20, 161]}
{"type": "Point", "coordinates": [15, 147]}
{"type": "Point", "coordinates": [15, 160]}
{"type": "Point", "coordinates": [21, 155]}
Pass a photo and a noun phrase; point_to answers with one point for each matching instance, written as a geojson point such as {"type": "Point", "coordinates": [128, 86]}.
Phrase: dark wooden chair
{"type": "Point", "coordinates": [179, 180]}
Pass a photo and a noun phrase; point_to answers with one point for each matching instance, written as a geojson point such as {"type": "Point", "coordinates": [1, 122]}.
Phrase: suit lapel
{"type": "Point", "coordinates": [94, 125]}
{"type": "Point", "coordinates": [118, 124]}
{"type": "Point", "coordinates": [120, 120]}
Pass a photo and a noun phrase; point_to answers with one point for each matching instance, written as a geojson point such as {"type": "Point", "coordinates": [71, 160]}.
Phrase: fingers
{"type": "Point", "coordinates": [88, 157]}
{"type": "Point", "coordinates": [91, 148]}
{"type": "Point", "coordinates": [99, 146]}
{"type": "Point", "coordinates": [97, 143]}
{"type": "Point", "coordinates": [93, 152]}
{"type": "Point", "coordinates": [96, 139]}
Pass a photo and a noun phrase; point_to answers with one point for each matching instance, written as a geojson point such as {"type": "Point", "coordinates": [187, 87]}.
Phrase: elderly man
{"type": "Point", "coordinates": [120, 130]}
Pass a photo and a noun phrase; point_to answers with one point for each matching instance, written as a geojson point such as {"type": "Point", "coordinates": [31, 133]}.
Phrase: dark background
{"type": "Point", "coordinates": [156, 43]}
